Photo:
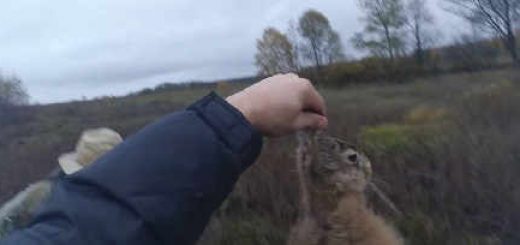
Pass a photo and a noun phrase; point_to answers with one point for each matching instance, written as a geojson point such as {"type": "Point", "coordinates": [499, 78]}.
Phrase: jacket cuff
{"type": "Point", "coordinates": [231, 127]}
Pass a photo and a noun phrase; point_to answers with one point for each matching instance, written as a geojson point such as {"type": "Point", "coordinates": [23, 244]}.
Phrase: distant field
{"type": "Point", "coordinates": [445, 149]}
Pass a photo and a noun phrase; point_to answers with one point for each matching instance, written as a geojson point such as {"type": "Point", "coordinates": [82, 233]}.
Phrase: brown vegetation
{"type": "Point", "coordinates": [445, 149]}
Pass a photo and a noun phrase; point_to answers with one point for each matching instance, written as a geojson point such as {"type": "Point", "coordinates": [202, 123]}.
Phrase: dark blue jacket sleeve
{"type": "Point", "coordinates": [160, 186]}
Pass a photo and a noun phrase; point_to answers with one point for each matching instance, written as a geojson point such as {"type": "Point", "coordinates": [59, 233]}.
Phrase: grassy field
{"type": "Point", "coordinates": [445, 149]}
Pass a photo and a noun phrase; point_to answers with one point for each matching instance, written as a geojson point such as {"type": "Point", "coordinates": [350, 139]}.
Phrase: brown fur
{"type": "Point", "coordinates": [353, 223]}
{"type": "Point", "coordinates": [333, 209]}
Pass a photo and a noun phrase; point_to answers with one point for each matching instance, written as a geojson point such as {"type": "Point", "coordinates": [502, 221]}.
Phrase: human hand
{"type": "Point", "coordinates": [281, 105]}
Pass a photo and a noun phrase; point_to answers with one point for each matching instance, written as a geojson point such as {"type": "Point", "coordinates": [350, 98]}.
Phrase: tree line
{"type": "Point", "coordinates": [393, 30]}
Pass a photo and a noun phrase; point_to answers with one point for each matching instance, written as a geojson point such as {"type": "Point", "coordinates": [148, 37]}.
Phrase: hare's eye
{"type": "Point", "coordinates": [353, 157]}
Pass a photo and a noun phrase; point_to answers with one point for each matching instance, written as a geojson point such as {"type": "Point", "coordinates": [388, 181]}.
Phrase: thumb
{"type": "Point", "coordinates": [309, 120]}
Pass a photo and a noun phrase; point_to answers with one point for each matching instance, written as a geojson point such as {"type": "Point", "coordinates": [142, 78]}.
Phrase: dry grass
{"type": "Point", "coordinates": [445, 149]}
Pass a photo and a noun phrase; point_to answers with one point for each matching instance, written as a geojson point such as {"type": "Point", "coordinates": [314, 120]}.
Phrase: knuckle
{"type": "Point", "coordinates": [306, 84]}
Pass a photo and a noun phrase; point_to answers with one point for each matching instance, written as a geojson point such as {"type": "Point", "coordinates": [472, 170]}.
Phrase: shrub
{"type": "Point", "coordinates": [425, 115]}
{"type": "Point", "coordinates": [388, 138]}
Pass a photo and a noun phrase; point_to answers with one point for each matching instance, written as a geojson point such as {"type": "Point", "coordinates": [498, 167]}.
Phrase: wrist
{"type": "Point", "coordinates": [240, 102]}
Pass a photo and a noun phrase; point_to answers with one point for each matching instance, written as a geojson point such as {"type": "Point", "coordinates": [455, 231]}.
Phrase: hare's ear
{"type": "Point", "coordinates": [304, 149]}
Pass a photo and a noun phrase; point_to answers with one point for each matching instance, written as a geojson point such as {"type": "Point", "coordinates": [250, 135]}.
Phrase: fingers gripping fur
{"type": "Point", "coordinates": [303, 161]}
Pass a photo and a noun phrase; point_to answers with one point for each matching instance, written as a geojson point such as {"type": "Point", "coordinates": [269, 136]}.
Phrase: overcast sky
{"type": "Point", "coordinates": [67, 49]}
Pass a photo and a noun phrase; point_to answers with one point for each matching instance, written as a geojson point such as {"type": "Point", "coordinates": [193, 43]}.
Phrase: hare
{"type": "Point", "coordinates": [332, 180]}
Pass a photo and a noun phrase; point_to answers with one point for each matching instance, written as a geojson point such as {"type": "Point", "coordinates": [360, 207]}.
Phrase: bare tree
{"type": "Point", "coordinates": [12, 92]}
{"type": "Point", "coordinates": [497, 16]}
{"type": "Point", "coordinates": [274, 53]}
{"type": "Point", "coordinates": [333, 50]}
{"type": "Point", "coordinates": [419, 17]}
{"type": "Point", "coordinates": [385, 21]}
{"type": "Point", "coordinates": [297, 42]}
{"type": "Point", "coordinates": [322, 44]}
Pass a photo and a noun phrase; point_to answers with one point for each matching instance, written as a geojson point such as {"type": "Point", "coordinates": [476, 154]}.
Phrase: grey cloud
{"type": "Point", "coordinates": [67, 49]}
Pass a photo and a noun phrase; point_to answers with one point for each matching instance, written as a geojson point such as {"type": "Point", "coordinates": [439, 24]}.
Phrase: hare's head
{"type": "Point", "coordinates": [337, 165]}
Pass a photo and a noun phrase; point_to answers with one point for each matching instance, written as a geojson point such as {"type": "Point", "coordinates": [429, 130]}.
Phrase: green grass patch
{"type": "Point", "coordinates": [388, 137]}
